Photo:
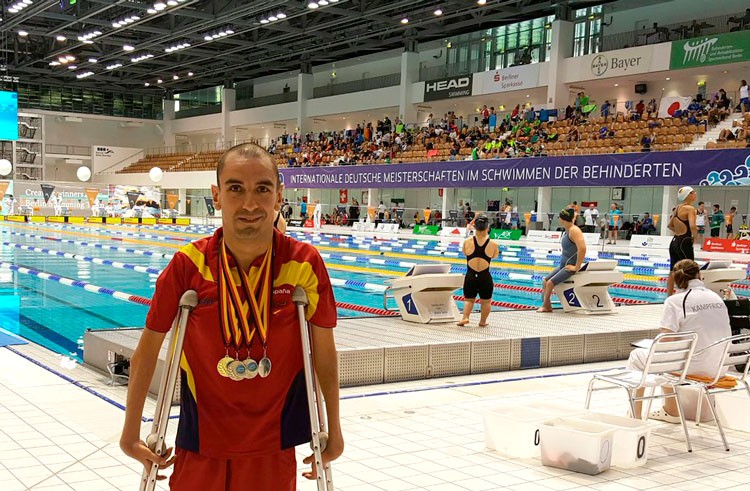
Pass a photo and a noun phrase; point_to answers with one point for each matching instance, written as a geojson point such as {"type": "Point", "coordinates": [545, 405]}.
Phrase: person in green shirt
{"type": "Point", "coordinates": [717, 219]}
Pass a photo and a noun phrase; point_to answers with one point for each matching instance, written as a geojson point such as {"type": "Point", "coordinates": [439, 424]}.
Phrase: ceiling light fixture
{"type": "Point", "coordinates": [151, 10]}
{"type": "Point", "coordinates": [84, 74]}
{"type": "Point", "coordinates": [281, 15]}
{"type": "Point", "coordinates": [60, 38]}
{"type": "Point", "coordinates": [127, 47]}
{"type": "Point", "coordinates": [54, 63]}
{"type": "Point", "coordinates": [438, 12]}
{"type": "Point", "coordinates": [72, 67]}
{"type": "Point", "coordinates": [89, 35]}
{"type": "Point", "coordinates": [159, 81]}
{"type": "Point", "coordinates": [313, 5]}
{"type": "Point", "coordinates": [147, 84]}
{"type": "Point", "coordinates": [19, 6]}
{"type": "Point", "coordinates": [175, 77]}
{"type": "Point", "coordinates": [93, 60]}
{"type": "Point", "coordinates": [70, 57]}
{"type": "Point", "coordinates": [177, 47]}
{"type": "Point", "coordinates": [190, 74]}
{"type": "Point", "coordinates": [405, 20]}
{"type": "Point", "coordinates": [159, 6]}
{"type": "Point", "coordinates": [142, 57]}
{"type": "Point", "coordinates": [23, 33]}
{"type": "Point", "coordinates": [481, 2]}
{"type": "Point", "coordinates": [273, 18]}
{"type": "Point", "coordinates": [322, 3]}
{"type": "Point", "coordinates": [113, 66]}
{"type": "Point", "coordinates": [213, 35]}
{"type": "Point", "coordinates": [124, 21]}
{"type": "Point", "coordinates": [172, 3]}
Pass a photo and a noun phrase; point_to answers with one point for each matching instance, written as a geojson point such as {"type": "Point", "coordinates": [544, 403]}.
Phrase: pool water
{"type": "Point", "coordinates": [127, 259]}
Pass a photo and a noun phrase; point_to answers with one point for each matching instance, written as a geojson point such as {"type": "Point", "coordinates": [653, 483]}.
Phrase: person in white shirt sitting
{"type": "Point", "coordinates": [696, 309]}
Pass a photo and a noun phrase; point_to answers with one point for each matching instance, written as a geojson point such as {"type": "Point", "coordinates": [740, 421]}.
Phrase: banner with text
{"type": "Point", "coordinates": [514, 78]}
{"type": "Point", "coordinates": [718, 49]}
{"type": "Point", "coordinates": [618, 63]}
{"type": "Point", "coordinates": [730, 167]}
{"type": "Point", "coordinates": [447, 88]}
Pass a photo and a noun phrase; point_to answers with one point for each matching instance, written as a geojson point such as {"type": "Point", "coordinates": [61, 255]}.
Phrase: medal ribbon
{"type": "Point", "coordinates": [235, 326]}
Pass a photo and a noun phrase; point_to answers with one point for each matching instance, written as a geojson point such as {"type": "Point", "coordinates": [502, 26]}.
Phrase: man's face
{"type": "Point", "coordinates": [248, 197]}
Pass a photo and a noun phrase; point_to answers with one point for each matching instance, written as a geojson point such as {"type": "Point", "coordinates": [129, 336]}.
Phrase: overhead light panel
{"type": "Point", "coordinates": [171, 3]}
{"type": "Point", "coordinates": [124, 21]}
{"type": "Point", "coordinates": [159, 81]}
{"type": "Point", "coordinates": [273, 18]}
{"type": "Point", "coordinates": [405, 20]}
{"type": "Point", "coordinates": [438, 12]}
{"type": "Point", "coordinates": [113, 66]}
{"type": "Point", "coordinates": [322, 3]}
{"type": "Point", "coordinates": [128, 47]}
{"type": "Point", "coordinates": [482, 2]}
{"type": "Point", "coordinates": [54, 63]}
{"type": "Point", "coordinates": [93, 60]}
{"type": "Point", "coordinates": [159, 6]}
{"type": "Point", "coordinates": [213, 35]}
{"type": "Point", "coordinates": [23, 33]}
{"type": "Point", "coordinates": [190, 74]}
{"type": "Point", "coordinates": [146, 84]}
{"type": "Point", "coordinates": [175, 77]}
{"type": "Point", "coordinates": [84, 75]}
{"type": "Point", "coordinates": [60, 38]}
{"type": "Point", "coordinates": [313, 5]}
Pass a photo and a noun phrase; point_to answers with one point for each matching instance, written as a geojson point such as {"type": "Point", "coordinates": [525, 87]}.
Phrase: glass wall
{"type": "Point", "coordinates": [588, 31]}
{"type": "Point", "coordinates": [74, 99]}
{"type": "Point", "coordinates": [197, 102]}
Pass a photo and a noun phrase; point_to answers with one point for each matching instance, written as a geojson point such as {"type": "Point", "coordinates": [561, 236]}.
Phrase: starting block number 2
{"type": "Point", "coordinates": [573, 301]}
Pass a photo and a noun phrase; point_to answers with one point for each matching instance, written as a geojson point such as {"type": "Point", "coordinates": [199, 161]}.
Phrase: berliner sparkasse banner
{"type": "Point", "coordinates": [730, 167]}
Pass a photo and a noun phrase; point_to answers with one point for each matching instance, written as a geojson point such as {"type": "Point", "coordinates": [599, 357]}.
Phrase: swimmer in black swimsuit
{"type": "Point", "coordinates": [683, 224]}
{"type": "Point", "coordinates": [479, 251]}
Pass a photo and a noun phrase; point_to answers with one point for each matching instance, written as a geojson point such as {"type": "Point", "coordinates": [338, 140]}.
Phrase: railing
{"type": "Point", "coordinates": [268, 100]}
{"type": "Point", "coordinates": [198, 111]}
{"type": "Point", "coordinates": [455, 69]}
{"type": "Point", "coordinates": [672, 32]}
{"type": "Point", "coordinates": [67, 150]}
{"type": "Point", "coordinates": [357, 85]}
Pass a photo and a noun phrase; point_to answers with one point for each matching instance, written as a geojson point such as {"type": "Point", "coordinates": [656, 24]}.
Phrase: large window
{"type": "Point", "coordinates": [588, 31]}
{"type": "Point", "coordinates": [514, 44]}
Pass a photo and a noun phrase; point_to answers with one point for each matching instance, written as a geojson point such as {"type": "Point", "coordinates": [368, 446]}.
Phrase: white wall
{"type": "Point", "coordinates": [176, 180]}
{"type": "Point", "coordinates": [279, 112]}
{"type": "Point", "coordinates": [358, 101]}
{"type": "Point", "coordinates": [94, 130]}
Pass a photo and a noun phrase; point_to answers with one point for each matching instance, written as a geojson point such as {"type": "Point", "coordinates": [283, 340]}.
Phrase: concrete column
{"type": "Point", "coordinates": [669, 201]}
{"type": "Point", "coordinates": [562, 48]}
{"type": "Point", "coordinates": [543, 203]}
{"type": "Point", "coordinates": [445, 204]}
{"type": "Point", "coordinates": [169, 136]}
{"type": "Point", "coordinates": [228, 98]}
{"type": "Point", "coordinates": [182, 204]}
{"type": "Point", "coordinates": [409, 75]}
{"type": "Point", "coordinates": [304, 93]}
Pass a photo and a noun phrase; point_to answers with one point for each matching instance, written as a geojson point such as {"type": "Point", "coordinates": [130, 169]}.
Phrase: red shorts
{"type": "Point", "coordinates": [274, 472]}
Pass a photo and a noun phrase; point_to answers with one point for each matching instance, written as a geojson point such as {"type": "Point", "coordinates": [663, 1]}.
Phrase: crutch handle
{"type": "Point", "coordinates": [299, 296]}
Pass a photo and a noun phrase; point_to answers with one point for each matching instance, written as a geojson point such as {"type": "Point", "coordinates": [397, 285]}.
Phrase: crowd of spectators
{"type": "Point", "coordinates": [522, 132]}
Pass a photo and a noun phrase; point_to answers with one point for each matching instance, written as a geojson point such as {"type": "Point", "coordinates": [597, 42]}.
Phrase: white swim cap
{"type": "Point", "coordinates": [683, 193]}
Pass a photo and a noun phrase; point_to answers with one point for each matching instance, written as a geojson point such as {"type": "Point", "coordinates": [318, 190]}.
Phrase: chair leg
{"type": "Point", "coordinates": [633, 414]}
{"type": "Point", "coordinates": [700, 407]}
{"type": "Point", "coordinates": [651, 392]}
{"type": "Point", "coordinates": [588, 393]}
{"type": "Point", "coordinates": [682, 420]}
{"type": "Point", "coordinates": [711, 402]}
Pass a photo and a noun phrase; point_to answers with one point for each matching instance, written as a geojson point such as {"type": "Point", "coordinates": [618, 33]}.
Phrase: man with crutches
{"type": "Point", "coordinates": [244, 405]}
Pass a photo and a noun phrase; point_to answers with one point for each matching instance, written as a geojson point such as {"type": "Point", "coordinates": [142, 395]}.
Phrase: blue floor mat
{"type": "Point", "coordinates": [8, 339]}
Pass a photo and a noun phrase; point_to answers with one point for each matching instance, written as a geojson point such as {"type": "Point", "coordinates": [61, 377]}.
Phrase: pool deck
{"type": "Point", "coordinates": [378, 350]}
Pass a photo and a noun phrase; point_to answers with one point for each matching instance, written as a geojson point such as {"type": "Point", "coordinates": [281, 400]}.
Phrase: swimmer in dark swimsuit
{"type": "Point", "coordinates": [683, 224]}
{"type": "Point", "coordinates": [479, 251]}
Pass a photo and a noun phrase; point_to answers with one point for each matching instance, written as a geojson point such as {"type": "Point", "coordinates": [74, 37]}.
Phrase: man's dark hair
{"type": "Point", "coordinates": [700, 203]}
{"type": "Point", "coordinates": [247, 151]}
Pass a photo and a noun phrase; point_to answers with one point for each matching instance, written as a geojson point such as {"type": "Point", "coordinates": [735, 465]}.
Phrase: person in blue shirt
{"type": "Point", "coordinates": [303, 209]}
{"type": "Point", "coordinates": [615, 219]}
{"type": "Point", "coordinates": [646, 225]}
{"type": "Point", "coordinates": [605, 109]}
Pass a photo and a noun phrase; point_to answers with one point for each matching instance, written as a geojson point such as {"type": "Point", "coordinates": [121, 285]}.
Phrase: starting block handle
{"type": "Point", "coordinates": [155, 440]}
{"type": "Point", "coordinates": [318, 424]}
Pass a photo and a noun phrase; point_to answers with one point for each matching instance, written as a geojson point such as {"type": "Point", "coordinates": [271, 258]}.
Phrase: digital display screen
{"type": "Point", "coordinates": [8, 115]}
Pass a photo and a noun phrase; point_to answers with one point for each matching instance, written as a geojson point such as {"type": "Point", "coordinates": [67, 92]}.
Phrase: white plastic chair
{"type": "Point", "coordinates": [667, 364]}
{"type": "Point", "coordinates": [735, 351]}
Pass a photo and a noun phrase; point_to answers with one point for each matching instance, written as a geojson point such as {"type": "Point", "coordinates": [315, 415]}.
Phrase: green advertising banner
{"type": "Point", "coordinates": [505, 234]}
{"type": "Point", "coordinates": [711, 50]}
{"type": "Point", "coordinates": [426, 229]}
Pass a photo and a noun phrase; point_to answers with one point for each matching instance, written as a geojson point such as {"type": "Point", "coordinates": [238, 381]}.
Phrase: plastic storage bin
{"type": "Point", "coordinates": [514, 430]}
{"type": "Point", "coordinates": [732, 409]}
{"type": "Point", "coordinates": [577, 445]}
{"type": "Point", "coordinates": [631, 439]}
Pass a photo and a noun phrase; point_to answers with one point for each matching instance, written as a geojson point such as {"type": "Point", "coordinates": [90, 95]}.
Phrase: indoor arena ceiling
{"type": "Point", "coordinates": [124, 44]}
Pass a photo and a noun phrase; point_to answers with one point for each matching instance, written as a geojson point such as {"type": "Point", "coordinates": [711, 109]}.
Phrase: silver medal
{"type": "Point", "coordinates": [236, 370]}
{"type": "Point", "coordinates": [264, 367]}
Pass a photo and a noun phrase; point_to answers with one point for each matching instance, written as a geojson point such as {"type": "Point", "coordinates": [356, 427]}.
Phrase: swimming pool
{"type": "Point", "coordinates": [71, 278]}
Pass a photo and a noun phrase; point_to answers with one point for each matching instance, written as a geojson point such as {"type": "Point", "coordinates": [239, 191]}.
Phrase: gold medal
{"type": "Point", "coordinates": [221, 367]}
{"type": "Point", "coordinates": [251, 368]}
{"type": "Point", "coordinates": [233, 370]}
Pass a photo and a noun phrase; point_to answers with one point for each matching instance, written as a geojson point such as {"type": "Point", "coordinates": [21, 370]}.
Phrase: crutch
{"type": "Point", "coordinates": [155, 440]}
{"type": "Point", "coordinates": [318, 424]}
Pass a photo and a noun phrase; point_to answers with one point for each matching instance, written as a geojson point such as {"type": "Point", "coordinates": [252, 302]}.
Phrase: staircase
{"type": "Point", "coordinates": [713, 134]}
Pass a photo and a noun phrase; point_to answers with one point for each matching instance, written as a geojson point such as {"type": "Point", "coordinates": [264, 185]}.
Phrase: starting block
{"type": "Point", "coordinates": [586, 292]}
{"type": "Point", "coordinates": [717, 275]}
{"type": "Point", "coordinates": [425, 294]}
